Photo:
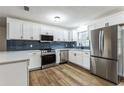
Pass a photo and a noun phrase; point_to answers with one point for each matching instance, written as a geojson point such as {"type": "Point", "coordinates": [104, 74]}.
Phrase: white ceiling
{"type": "Point", "coordinates": [74, 15]}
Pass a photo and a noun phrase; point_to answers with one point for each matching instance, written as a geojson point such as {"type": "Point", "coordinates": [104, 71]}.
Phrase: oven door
{"type": "Point", "coordinates": [48, 59]}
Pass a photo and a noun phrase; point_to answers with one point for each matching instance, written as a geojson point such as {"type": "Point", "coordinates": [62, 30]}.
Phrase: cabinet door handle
{"type": "Point", "coordinates": [34, 53]}
{"type": "Point", "coordinates": [31, 37]}
{"type": "Point", "coordinates": [8, 30]}
{"type": "Point", "coordinates": [21, 37]}
{"type": "Point", "coordinates": [86, 53]}
{"type": "Point", "coordinates": [74, 54]}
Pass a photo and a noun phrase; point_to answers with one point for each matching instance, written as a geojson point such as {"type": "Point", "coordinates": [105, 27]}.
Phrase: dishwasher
{"type": "Point", "coordinates": [63, 56]}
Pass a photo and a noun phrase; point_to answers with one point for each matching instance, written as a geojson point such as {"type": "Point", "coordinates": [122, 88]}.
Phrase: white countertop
{"type": "Point", "coordinates": [13, 56]}
{"type": "Point", "coordinates": [73, 49]}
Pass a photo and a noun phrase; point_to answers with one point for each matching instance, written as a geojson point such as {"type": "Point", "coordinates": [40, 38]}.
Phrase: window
{"type": "Point", "coordinates": [83, 39]}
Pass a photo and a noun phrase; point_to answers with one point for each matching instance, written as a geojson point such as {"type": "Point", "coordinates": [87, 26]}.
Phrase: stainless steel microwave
{"type": "Point", "coordinates": [46, 38]}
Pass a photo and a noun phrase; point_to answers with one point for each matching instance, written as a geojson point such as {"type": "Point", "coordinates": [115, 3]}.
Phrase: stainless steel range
{"type": "Point", "coordinates": [48, 58]}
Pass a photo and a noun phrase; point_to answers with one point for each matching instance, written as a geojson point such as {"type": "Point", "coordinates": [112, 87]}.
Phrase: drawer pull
{"type": "Point", "coordinates": [74, 54]}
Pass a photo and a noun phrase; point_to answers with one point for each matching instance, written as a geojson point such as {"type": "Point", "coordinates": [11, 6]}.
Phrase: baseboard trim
{"type": "Point", "coordinates": [122, 78]}
{"type": "Point", "coordinates": [80, 67]}
{"type": "Point", "coordinates": [33, 69]}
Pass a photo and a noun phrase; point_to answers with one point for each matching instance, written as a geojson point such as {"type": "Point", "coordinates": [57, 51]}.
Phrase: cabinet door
{"type": "Point", "coordinates": [70, 36]}
{"type": "Point", "coordinates": [14, 30]}
{"type": "Point", "coordinates": [79, 60]}
{"type": "Point", "coordinates": [72, 57]}
{"type": "Point", "coordinates": [55, 35]}
{"type": "Point", "coordinates": [27, 31]}
{"type": "Point", "coordinates": [58, 35]}
{"type": "Point", "coordinates": [91, 27]}
{"type": "Point", "coordinates": [36, 32]}
{"type": "Point", "coordinates": [86, 60]}
{"type": "Point", "coordinates": [66, 37]}
{"type": "Point", "coordinates": [75, 36]}
{"type": "Point", "coordinates": [57, 56]}
{"type": "Point", "coordinates": [14, 74]}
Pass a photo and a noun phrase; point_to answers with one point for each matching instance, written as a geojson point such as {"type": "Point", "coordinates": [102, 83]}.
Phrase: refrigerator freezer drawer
{"type": "Point", "coordinates": [105, 68]}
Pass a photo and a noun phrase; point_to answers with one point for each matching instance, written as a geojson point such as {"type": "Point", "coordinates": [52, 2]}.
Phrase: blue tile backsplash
{"type": "Point", "coordinates": [15, 45]}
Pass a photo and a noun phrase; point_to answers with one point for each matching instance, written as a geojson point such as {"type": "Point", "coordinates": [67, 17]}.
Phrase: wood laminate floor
{"type": "Point", "coordinates": [66, 75]}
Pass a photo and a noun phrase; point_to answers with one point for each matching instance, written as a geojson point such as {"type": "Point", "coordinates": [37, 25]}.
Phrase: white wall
{"type": "Point", "coordinates": [2, 39]}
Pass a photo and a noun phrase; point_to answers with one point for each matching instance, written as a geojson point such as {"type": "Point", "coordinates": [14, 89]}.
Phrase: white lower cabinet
{"type": "Point", "coordinates": [80, 58]}
{"type": "Point", "coordinates": [73, 57]}
{"type": "Point", "coordinates": [86, 60]}
{"type": "Point", "coordinates": [57, 56]}
{"type": "Point", "coordinates": [14, 74]}
{"type": "Point", "coordinates": [35, 60]}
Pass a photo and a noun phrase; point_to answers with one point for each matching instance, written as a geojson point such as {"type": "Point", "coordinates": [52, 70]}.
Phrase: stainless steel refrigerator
{"type": "Point", "coordinates": [104, 53]}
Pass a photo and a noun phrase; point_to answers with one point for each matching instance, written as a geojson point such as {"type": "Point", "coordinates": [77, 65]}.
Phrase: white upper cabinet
{"type": "Point", "coordinates": [17, 29]}
{"type": "Point", "coordinates": [58, 35]}
{"type": "Point", "coordinates": [14, 29]}
{"type": "Point", "coordinates": [36, 31]}
{"type": "Point", "coordinates": [114, 19]}
{"type": "Point", "coordinates": [75, 36]}
{"type": "Point", "coordinates": [27, 31]}
{"type": "Point", "coordinates": [98, 24]}
{"type": "Point", "coordinates": [31, 31]}
{"type": "Point", "coordinates": [46, 30]}
{"type": "Point", "coordinates": [66, 35]}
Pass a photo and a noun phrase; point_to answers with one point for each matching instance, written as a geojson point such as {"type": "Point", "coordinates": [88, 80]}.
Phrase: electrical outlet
{"type": "Point", "coordinates": [73, 45]}
{"type": "Point", "coordinates": [31, 45]}
{"type": "Point", "coordinates": [66, 45]}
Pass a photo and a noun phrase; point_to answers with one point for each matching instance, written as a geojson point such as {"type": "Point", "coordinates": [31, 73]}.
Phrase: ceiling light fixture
{"type": "Point", "coordinates": [26, 8]}
{"type": "Point", "coordinates": [57, 19]}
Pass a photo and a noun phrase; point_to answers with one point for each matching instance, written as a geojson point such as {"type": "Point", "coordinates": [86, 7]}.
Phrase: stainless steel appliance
{"type": "Point", "coordinates": [46, 38]}
{"type": "Point", "coordinates": [63, 56]}
{"type": "Point", "coordinates": [104, 53]}
{"type": "Point", "coordinates": [48, 58]}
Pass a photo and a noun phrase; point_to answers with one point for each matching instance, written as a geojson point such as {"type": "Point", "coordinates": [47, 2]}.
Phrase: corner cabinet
{"type": "Point", "coordinates": [80, 58]}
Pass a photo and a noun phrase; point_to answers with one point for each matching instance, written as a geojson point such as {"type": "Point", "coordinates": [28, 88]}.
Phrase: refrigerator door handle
{"type": "Point", "coordinates": [100, 42]}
